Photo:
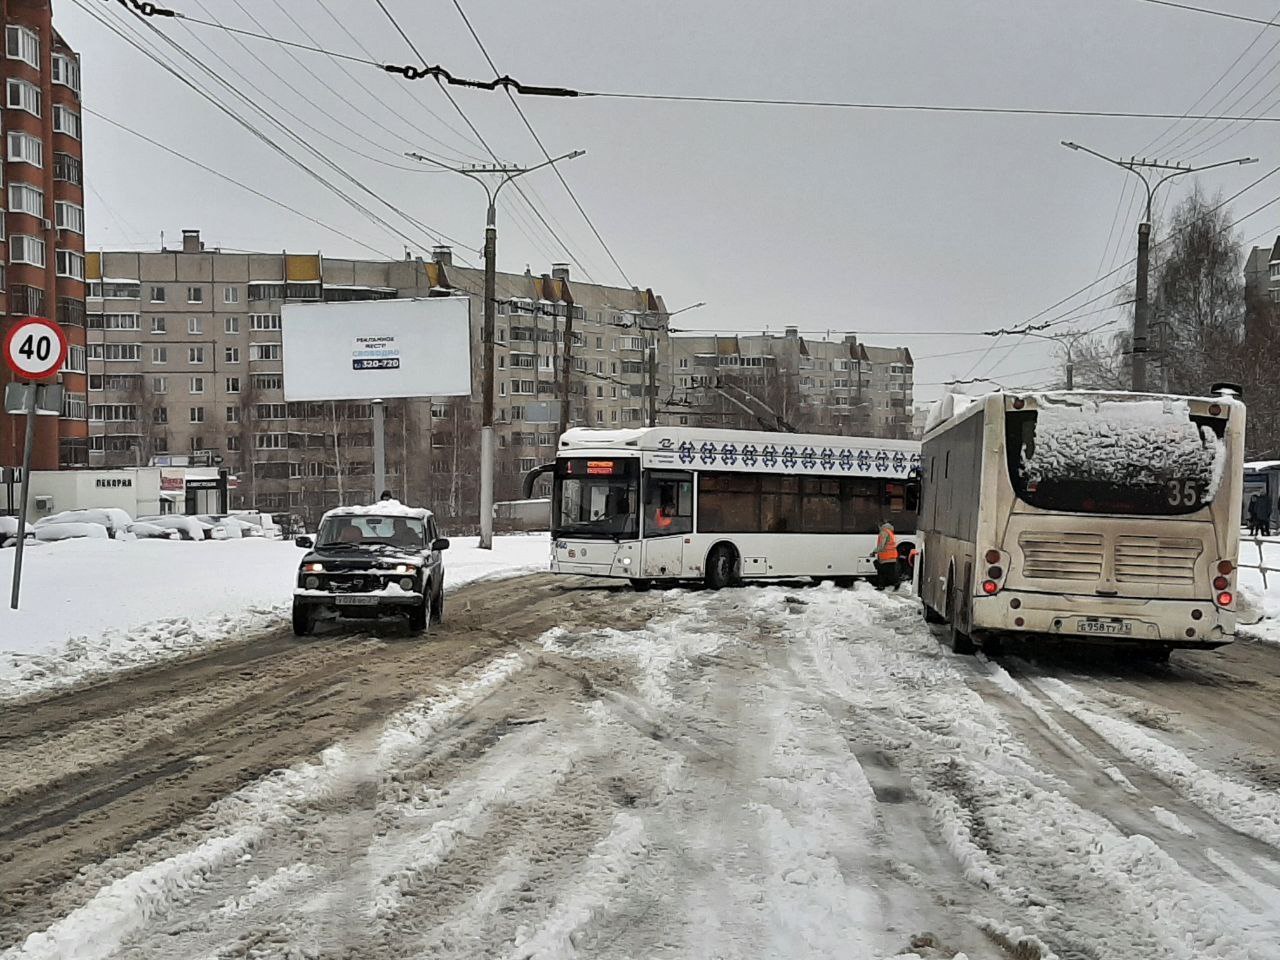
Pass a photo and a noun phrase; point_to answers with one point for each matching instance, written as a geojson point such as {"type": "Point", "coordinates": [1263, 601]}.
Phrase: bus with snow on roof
{"type": "Point", "coordinates": [1109, 517]}
{"type": "Point", "coordinates": [668, 504]}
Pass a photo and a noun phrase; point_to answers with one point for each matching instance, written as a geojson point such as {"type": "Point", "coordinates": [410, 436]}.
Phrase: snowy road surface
{"type": "Point", "coordinates": [570, 769]}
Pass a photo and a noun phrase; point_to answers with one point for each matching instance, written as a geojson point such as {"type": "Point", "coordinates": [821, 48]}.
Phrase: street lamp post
{"type": "Point", "coordinates": [653, 362]}
{"type": "Point", "coordinates": [503, 175]}
{"type": "Point", "coordinates": [1141, 307]}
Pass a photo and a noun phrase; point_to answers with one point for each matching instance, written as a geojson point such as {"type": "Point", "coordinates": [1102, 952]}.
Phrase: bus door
{"type": "Point", "coordinates": [667, 520]}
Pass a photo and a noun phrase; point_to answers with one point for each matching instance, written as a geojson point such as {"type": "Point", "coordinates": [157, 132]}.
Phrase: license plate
{"type": "Point", "coordinates": [1108, 625]}
{"type": "Point", "coordinates": [369, 601]}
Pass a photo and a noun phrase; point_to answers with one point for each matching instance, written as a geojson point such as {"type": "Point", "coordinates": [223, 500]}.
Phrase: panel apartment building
{"type": "Point", "coordinates": [42, 222]}
{"type": "Point", "coordinates": [814, 385]}
{"type": "Point", "coordinates": [184, 366]}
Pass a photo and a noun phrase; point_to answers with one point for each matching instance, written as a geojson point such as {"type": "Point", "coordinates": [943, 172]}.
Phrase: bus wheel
{"type": "Point", "coordinates": [958, 640]}
{"type": "Point", "coordinates": [844, 582]}
{"type": "Point", "coordinates": [933, 616]}
{"type": "Point", "coordinates": [720, 568]}
{"type": "Point", "coordinates": [641, 586]}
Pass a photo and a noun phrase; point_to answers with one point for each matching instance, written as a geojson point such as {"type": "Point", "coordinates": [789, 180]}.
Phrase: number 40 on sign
{"type": "Point", "coordinates": [34, 349]}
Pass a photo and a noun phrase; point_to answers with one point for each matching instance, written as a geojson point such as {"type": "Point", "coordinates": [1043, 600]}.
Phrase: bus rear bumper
{"type": "Point", "coordinates": [1170, 623]}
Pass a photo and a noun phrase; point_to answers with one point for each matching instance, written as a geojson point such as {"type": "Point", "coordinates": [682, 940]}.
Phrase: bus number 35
{"type": "Point", "coordinates": [1182, 493]}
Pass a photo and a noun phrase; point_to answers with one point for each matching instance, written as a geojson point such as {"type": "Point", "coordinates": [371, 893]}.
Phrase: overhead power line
{"type": "Point", "coordinates": [232, 180]}
{"type": "Point", "coordinates": [1209, 11]}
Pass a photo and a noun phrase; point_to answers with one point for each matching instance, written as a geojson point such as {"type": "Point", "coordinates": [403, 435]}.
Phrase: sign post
{"type": "Point", "coordinates": [34, 349]}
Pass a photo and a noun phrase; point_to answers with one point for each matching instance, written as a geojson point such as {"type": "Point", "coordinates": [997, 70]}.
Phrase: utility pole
{"type": "Point", "coordinates": [1141, 306]}
{"type": "Point", "coordinates": [653, 356]}
{"type": "Point", "coordinates": [1069, 339]}
{"type": "Point", "coordinates": [500, 175]}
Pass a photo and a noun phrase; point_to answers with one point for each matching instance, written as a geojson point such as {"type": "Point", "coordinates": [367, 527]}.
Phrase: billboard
{"type": "Point", "coordinates": [377, 349]}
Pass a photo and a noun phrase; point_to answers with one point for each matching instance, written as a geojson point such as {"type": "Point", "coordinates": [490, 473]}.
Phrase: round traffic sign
{"type": "Point", "coordinates": [34, 349]}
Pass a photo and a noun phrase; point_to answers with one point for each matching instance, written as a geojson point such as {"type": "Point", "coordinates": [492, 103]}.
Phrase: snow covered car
{"type": "Point", "coordinates": [233, 528]}
{"type": "Point", "coordinates": [9, 531]}
{"type": "Point", "coordinates": [189, 528]}
{"type": "Point", "coordinates": [150, 531]}
{"type": "Point", "coordinates": [113, 519]}
{"type": "Point", "coordinates": [66, 530]}
{"type": "Point", "coordinates": [367, 562]}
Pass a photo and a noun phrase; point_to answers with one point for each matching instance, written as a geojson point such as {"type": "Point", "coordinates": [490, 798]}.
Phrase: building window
{"type": "Point", "coordinates": [195, 354]}
{"type": "Point", "coordinates": [113, 321]}
{"type": "Point", "coordinates": [271, 441]}
{"type": "Point", "coordinates": [75, 406]}
{"type": "Point", "coordinates": [159, 384]}
{"type": "Point", "coordinates": [160, 415]}
{"type": "Point", "coordinates": [23, 249]}
{"type": "Point", "coordinates": [230, 295]}
{"type": "Point", "coordinates": [264, 351]}
{"type": "Point", "coordinates": [197, 414]}
{"type": "Point", "coordinates": [233, 443]}
{"type": "Point", "coordinates": [264, 321]}
{"type": "Point", "coordinates": [159, 355]}
{"type": "Point", "coordinates": [125, 290]}
{"type": "Point", "coordinates": [24, 198]}
{"type": "Point", "coordinates": [233, 414]}
{"type": "Point", "coordinates": [231, 325]}
{"type": "Point", "coordinates": [66, 121]}
{"type": "Point", "coordinates": [271, 411]}
{"type": "Point", "coordinates": [67, 169]}
{"type": "Point", "coordinates": [23, 44]}
{"type": "Point", "coordinates": [71, 264]}
{"type": "Point", "coordinates": [266, 291]}
{"type": "Point", "coordinates": [268, 381]}
{"type": "Point", "coordinates": [195, 295]}
{"type": "Point", "coordinates": [233, 384]}
{"type": "Point", "coordinates": [231, 354]}
{"type": "Point", "coordinates": [75, 359]}
{"type": "Point", "coordinates": [113, 412]}
{"type": "Point", "coordinates": [25, 96]}
{"type": "Point", "coordinates": [157, 294]}
{"type": "Point", "coordinates": [195, 325]}
{"type": "Point", "coordinates": [24, 148]}
{"type": "Point", "coordinates": [69, 216]}
{"type": "Point", "coordinates": [157, 325]}
{"type": "Point", "coordinates": [197, 385]}
{"type": "Point", "coordinates": [66, 71]}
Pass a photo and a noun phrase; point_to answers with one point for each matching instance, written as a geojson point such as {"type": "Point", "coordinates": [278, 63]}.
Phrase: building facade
{"type": "Point", "coordinates": [770, 381]}
{"type": "Point", "coordinates": [184, 366]}
{"type": "Point", "coordinates": [42, 264]}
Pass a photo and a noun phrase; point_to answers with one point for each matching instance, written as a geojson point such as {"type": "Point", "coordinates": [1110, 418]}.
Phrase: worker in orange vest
{"type": "Point", "coordinates": [886, 558]}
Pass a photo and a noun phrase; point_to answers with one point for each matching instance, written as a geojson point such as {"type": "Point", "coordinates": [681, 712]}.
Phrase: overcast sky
{"type": "Point", "coordinates": [876, 223]}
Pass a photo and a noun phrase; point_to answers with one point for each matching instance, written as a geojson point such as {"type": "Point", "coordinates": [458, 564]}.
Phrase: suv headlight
{"type": "Point", "coordinates": [313, 568]}
{"type": "Point", "coordinates": [406, 568]}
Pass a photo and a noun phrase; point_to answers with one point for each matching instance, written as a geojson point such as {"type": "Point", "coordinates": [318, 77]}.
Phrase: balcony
{"type": "Point", "coordinates": [67, 168]}
{"type": "Point", "coordinates": [70, 312]}
{"type": "Point", "coordinates": [25, 301]}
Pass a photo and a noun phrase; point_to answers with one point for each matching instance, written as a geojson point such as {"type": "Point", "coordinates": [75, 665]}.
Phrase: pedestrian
{"type": "Point", "coordinates": [386, 495]}
{"type": "Point", "coordinates": [886, 558]}
{"type": "Point", "coordinates": [1257, 504]}
{"type": "Point", "coordinates": [1264, 516]}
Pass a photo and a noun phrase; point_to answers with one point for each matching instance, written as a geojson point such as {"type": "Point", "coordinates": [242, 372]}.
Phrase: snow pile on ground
{"type": "Point", "coordinates": [1143, 443]}
{"type": "Point", "coordinates": [95, 606]}
{"type": "Point", "coordinates": [1259, 603]}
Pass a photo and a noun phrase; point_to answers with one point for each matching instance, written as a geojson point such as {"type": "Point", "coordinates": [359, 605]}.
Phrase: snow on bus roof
{"type": "Point", "coordinates": [383, 508]}
{"type": "Point", "coordinates": [646, 438]}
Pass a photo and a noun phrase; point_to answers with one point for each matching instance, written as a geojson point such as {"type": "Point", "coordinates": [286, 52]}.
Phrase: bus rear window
{"type": "Point", "coordinates": [1143, 458]}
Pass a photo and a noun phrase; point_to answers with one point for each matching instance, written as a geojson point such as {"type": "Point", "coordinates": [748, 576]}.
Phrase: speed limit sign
{"type": "Point", "coordinates": [35, 349]}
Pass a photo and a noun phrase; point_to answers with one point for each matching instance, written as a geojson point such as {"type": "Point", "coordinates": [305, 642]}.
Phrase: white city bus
{"type": "Point", "coordinates": [1108, 516]}
{"type": "Point", "coordinates": [678, 503]}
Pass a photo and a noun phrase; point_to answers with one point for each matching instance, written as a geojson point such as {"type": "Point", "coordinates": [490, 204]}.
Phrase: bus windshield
{"type": "Point", "coordinates": [596, 498]}
{"type": "Point", "coordinates": [1138, 457]}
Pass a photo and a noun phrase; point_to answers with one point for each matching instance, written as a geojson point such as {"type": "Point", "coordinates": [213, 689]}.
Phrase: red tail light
{"type": "Point", "coordinates": [1225, 599]}
{"type": "Point", "coordinates": [993, 556]}
{"type": "Point", "coordinates": [1220, 583]}
{"type": "Point", "coordinates": [990, 587]}
{"type": "Point", "coordinates": [1225, 566]}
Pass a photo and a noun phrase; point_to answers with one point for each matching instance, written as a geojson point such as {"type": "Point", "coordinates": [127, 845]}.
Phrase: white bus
{"type": "Point", "coordinates": [1113, 516]}
{"type": "Point", "coordinates": [678, 503]}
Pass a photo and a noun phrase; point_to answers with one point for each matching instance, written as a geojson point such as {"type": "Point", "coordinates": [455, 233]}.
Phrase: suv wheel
{"type": "Point", "coordinates": [304, 619]}
{"type": "Point", "coordinates": [437, 605]}
{"type": "Point", "coordinates": [418, 616]}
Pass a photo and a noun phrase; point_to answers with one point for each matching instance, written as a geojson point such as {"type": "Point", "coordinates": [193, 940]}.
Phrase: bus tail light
{"type": "Point", "coordinates": [1225, 566]}
{"type": "Point", "coordinates": [995, 573]}
{"type": "Point", "coordinates": [1225, 599]}
{"type": "Point", "coordinates": [993, 556]}
{"type": "Point", "coordinates": [1220, 583]}
{"type": "Point", "coordinates": [990, 587]}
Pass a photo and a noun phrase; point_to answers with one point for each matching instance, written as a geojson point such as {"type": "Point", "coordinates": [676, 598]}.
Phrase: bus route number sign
{"type": "Point", "coordinates": [35, 349]}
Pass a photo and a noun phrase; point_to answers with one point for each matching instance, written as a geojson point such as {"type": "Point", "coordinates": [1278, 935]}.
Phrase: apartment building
{"type": "Point", "coordinates": [813, 385]}
{"type": "Point", "coordinates": [42, 266]}
{"type": "Point", "coordinates": [184, 365]}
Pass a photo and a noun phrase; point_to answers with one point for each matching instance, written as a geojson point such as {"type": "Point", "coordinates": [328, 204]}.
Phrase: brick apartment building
{"type": "Point", "coordinates": [184, 367]}
{"type": "Point", "coordinates": [42, 265]}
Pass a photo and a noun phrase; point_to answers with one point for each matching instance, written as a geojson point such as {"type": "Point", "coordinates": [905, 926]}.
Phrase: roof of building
{"type": "Point", "coordinates": [1275, 251]}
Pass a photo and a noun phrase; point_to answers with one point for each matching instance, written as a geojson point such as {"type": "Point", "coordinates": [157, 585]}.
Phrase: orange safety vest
{"type": "Point", "coordinates": [887, 547]}
{"type": "Point", "coordinates": [661, 520]}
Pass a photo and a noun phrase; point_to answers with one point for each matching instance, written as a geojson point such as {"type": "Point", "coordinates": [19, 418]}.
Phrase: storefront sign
{"type": "Point", "coordinates": [114, 482]}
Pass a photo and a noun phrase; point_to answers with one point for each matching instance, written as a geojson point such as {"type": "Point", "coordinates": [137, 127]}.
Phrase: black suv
{"type": "Point", "coordinates": [367, 562]}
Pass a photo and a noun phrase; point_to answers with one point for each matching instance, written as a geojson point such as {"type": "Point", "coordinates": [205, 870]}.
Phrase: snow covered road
{"type": "Point", "coordinates": [571, 769]}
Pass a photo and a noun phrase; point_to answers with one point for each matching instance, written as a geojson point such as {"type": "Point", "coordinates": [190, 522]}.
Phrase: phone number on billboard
{"type": "Point", "coordinates": [389, 364]}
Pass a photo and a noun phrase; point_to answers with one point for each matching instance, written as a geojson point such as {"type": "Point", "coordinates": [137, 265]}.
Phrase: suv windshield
{"type": "Point", "coordinates": [358, 531]}
{"type": "Point", "coordinates": [596, 499]}
{"type": "Point", "coordinates": [1148, 457]}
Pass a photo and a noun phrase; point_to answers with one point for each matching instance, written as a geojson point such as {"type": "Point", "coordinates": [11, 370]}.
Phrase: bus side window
{"type": "Point", "coordinates": [668, 504]}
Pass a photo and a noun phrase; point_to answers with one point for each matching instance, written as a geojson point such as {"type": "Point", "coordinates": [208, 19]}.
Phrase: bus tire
{"type": "Point", "coordinates": [933, 616]}
{"type": "Point", "coordinates": [641, 586]}
{"type": "Point", "coordinates": [720, 567]}
{"type": "Point", "coordinates": [844, 582]}
{"type": "Point", "coordinates": [959, 641]}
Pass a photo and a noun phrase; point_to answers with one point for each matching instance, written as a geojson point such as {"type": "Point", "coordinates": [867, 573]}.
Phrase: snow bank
{"type": "Point", "coordinates": [95, 606]}
{"type": "Point", "coordinates": [1141, 442]}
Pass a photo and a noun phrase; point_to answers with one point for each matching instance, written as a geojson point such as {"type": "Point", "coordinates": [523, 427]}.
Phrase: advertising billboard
{"type": "Point", "coordinates": [377, 349]}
